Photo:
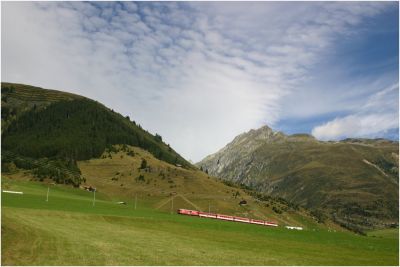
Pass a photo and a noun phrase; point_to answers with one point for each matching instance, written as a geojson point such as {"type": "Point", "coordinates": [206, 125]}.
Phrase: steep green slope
{"type": "Point", "coordinates": [48, 124]}
{"type": "Point", "coordinates": [19, 98]}
{"type": "Point", "coordinates": [355, 182]}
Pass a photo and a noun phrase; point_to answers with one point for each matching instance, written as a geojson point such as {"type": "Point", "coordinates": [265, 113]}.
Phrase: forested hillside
{"type": "Point", "coordinates": [37, 123]}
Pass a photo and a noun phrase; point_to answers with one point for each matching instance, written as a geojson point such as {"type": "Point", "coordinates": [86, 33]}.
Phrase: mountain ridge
{"type": "Point", "coordinates": [331, 176]}
{"type": "Point", "coordinates": [301, 137]}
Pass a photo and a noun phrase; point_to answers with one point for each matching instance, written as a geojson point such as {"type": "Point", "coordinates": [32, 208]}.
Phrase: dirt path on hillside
{"type": "Point", "coordinates": [165, 202]}
{"type": "Point", "coordinates": [190, 202]}
{"type": "Point", "coordinates": [375, 166]}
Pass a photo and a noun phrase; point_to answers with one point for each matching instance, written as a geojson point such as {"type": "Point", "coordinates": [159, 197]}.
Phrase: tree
{"type": "Point", "coordinates": [243, 202]}
{"type": "Point", "coordinates": [140, 178]}
{"type": "Point", "coordinates": [318, 215]}
{"type": "Point", "coordinates": [158, 138]}
{"type": "Point", "coordinates": [276, 210]}
{"type": "Point", "coordinates": [143, 165]}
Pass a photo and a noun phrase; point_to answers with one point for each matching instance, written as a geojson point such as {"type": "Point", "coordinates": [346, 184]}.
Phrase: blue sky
{"type": "Point", "coordinates": [200, 73]}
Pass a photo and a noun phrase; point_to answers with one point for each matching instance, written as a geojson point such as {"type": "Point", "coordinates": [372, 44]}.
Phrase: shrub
{"type": "Point", "coordinates": [140, 178]}
{"type": "Point", "coordinates": [318, 215]}
{"type": "Point", "coordinates": [8, 167]}
{"type": "Point", "coordinates": [143, 165]}
{"type": "Point", "coordinates": [276, 210]}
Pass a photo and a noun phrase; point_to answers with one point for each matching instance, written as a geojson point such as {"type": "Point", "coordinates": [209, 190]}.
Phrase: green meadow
{"type": "Point", "coordinates": [69, 230]}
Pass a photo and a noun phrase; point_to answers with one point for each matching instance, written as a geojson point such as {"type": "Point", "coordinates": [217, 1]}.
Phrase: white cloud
{"type": "Point", "coordinates": [377, 116]}
{"type": "Point", "coordinates": [197, 73]}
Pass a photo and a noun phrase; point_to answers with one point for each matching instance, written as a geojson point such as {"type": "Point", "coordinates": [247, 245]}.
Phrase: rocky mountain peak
{"type": "Point", "coordinates": [315, 174]}
{"type": "Point", "coordinates": [262, 134]}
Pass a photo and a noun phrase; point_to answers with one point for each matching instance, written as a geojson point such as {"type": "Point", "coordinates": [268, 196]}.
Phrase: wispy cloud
{"type": "Point", "coordinates": [378, 115]}
{"type": "Point", "coordinates": [198, 73]}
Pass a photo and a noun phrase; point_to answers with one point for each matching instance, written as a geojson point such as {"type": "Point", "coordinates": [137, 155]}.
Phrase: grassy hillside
{"type": "Point", "coordinates": [119, 175]}
{"type": "Point", "coordinates": [69, 230]}
{"type": "Point", "coordinates": [337, 179]}
{"type": "Point", "coordinates": [39, 123]}
{"type": "Point", "coordinates": [354, 182]}
{"type": "Point", "coordinates": [163, 186]}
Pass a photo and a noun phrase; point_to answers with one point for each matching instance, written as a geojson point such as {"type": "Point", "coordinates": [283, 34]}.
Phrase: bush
{"type": "Point", "coordinates": [8, 167]}
{"type": "Point", "coordinates": [143, 165]}
{"type": "Point", "coordinates": [140, 178]}
{"type": "Point", "coordinates": [318, 215]}
{"type": "Point", "coordinates": [158, 138]}
{"type": "Point", "coordinates": [276, 210]}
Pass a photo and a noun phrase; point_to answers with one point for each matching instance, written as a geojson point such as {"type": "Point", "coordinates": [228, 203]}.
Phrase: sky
{"type": "Point", "coordinates": [200, 73]}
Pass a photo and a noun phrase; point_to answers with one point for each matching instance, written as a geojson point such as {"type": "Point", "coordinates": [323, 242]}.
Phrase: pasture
{"type": "Point", "coordinates": [69, 230]}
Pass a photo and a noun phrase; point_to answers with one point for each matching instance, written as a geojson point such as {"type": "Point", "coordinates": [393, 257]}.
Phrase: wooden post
{"type": "Point", "coordinates": [135, 200]}
{"type": "Point", "coordinates": [47, 197]}
{"type": "Point", "coordinates": [172, 204]}
{"type": "Point", "coordinates": [94, 197]}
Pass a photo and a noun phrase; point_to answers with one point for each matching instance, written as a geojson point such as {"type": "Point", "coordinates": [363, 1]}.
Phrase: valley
{"type": "Point", "coordinates": [64, 144]}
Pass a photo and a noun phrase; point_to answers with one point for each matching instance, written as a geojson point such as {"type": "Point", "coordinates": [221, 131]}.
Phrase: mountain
{"type": "Point", "coordinates": [75, 140]}
{"type": "Point", "coordinates": [119, 174]}
{"type": "Point", "coordinates": [49, 131]}
{"type": "Point", "coordinates": [354, 181]}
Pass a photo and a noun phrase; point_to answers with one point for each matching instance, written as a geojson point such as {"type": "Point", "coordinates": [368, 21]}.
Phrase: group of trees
{"type": "Point", "coordinates": [61, 171]}
{"type": "Point", "coordinates": [7, 89]}
{"type": "Point", "coordinates": [79, 129]}
{"type": "Point", "coordinates": [158, 138]}
{"type": "Point", "coordinates": [319, 215]}
{"type": "Point", "coordinates": [70, 130]}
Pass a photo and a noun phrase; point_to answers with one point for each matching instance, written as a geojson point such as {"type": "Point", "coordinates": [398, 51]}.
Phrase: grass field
{"type": "Point", "coordinates": [192, 189]}
{"type": "Point", "coordinates": [69, 230]}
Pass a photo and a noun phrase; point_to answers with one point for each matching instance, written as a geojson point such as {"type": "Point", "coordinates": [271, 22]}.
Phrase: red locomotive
{"type": "Point", "coordinates": [189, 212]}
{"type": "Point", "coordinates": [225, 217]}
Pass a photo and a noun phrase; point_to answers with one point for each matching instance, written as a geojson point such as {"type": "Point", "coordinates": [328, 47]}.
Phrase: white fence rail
{"type": "Point", "coordinates": [13, 192]}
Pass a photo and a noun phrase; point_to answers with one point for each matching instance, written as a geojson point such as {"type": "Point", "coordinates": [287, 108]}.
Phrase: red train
{"type": "Point", "coordinates": [225, 217]}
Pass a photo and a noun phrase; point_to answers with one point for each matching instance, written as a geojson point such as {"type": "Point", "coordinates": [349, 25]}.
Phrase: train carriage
{"type": "Point", "coordinates": [188, 212]}
{"type": "Point", "coordinates": [241, 219]}
{"type": "Point", "coordinates": [271, 223]}
{"type": "Point", "coordinates": [225, 217]}
{"type": "Point", "coordinates": [207, 215]}
{"type": "Point", "coordinates": [261, 222]}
